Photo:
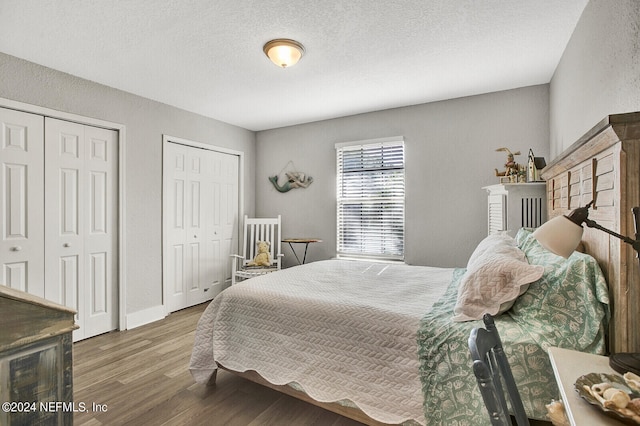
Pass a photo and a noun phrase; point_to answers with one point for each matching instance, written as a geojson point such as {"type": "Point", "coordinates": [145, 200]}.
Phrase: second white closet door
{"type": "Point", "coordinates": [81, 223]}
{"type": "Point", "coordinates": [201, 210]}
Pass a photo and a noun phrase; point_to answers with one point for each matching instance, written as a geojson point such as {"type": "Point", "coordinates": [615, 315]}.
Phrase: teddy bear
{"type": "Point", "coordinates": [263, 258]}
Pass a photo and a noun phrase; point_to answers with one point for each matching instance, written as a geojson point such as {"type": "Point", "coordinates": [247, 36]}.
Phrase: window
{"type": "Point", "coordinates": [370, 211]}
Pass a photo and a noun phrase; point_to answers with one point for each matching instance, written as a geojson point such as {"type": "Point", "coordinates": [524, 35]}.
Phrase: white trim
{"type": "Point", "coordinates": [240, 154]}
{"type": "Point", "coordinates": [370, 141]}
{"type": "Point", "coordinates": [146, 316]}
{"type": "Point", "coordinates": [121, 129]}
{"type": "Point", "coordinates": [355, 258]}
{"type": "Point", "coordinates": [360, 194]}
{"type": "Point", "coordinates": [182, 141]}
{"type": "Point", "coordinates": [61, 115]}
{"type": "Point", "coordinates": [122, 251]}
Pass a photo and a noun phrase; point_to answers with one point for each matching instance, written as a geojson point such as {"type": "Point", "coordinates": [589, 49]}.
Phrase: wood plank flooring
{"type": "Point", "coordinates": [141, 376]}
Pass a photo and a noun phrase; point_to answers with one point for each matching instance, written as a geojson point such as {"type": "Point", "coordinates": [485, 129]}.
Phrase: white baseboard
{"type": "Point", "coordinates": [146, 316]}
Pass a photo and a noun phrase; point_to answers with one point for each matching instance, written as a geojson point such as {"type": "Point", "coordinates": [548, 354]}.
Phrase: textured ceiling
{"type": "Point", "coordinates": [205, 56]}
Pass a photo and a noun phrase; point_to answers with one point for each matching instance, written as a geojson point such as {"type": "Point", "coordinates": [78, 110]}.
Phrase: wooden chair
{"type": "Point", "coordinates": [491, 368]}
{"type": "Point", "coordinates": [257, 230]}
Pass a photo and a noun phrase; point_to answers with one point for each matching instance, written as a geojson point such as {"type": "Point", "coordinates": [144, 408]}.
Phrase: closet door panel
{"type": "Point", "coordinates": [186, 204]}
{"type": "Point", "coordinates": [175, 205]}
{"type": "Point", "coordinates": [196, 276]}
{"type": "Point", "coordinates": [64, 187]}
{"type": "Point", "coordinates": [100, 232]}
{"type": "Point", "coordinates": [229, 225]}
{"type": "Point", "coordinates": [217, 218]}
{"type": "Point", "coordinates": [21, 177]}
{"type": "Point", "coordinates": [81, 223]}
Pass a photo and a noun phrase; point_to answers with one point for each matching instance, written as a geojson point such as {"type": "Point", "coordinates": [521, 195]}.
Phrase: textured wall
{"type": "Point", "coordinates": [599, 73]}
{"type": "Point", "coordinates": [450, 149]}
{"type": "Point", "coordinates": [146, 121]}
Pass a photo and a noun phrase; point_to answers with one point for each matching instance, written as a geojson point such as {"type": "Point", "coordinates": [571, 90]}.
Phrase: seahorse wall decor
{"type": "Point", "coordinates": [294, 179]}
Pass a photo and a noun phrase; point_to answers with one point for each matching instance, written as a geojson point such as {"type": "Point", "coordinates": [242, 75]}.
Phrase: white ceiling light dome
{"type": "Point", "coordinates": [284, 52]}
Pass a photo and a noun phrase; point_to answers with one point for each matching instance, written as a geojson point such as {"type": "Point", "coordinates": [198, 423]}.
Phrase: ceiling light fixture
{"type": "Point", "coordinates": [284, 52]}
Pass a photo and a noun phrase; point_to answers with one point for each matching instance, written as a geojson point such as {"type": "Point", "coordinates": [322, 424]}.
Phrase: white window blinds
{"type": "Point", "coordinates": [370, 211]}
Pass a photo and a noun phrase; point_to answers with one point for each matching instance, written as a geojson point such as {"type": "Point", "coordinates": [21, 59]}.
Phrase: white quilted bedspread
{"type": "Point", "coordinates": [341, 330]}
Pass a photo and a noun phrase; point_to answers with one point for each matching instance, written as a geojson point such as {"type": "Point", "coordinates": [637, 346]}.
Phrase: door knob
{"type": "Point", "coordinates": [66, 245]}
{"type": "Point", "coordinates": [16, 248]}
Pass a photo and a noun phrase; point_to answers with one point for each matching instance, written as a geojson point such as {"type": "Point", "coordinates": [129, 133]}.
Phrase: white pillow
{"type": "Point", "coordinates": [493, 242]}
{"type": "Point", "coordinates": [497, 273]}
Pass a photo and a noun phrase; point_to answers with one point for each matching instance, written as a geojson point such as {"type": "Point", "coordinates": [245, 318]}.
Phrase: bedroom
{"type": "Point", "coordinates": [547, 117]}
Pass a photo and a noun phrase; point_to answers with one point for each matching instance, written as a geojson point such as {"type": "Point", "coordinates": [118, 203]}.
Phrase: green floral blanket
{"type": "Point", "coordinates": [567, 307]}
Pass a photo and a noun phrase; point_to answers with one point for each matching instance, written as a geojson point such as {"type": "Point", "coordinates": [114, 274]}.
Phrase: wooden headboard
{"type": "Point", "coordinates": [604, 165]}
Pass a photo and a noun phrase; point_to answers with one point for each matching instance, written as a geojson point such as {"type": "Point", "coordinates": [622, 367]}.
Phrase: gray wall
{"type": "Point", "coordinates": [450, 150]}
{"type": "Point", "coordinates": [450, 146]}
{"type": "Point", "coordinates": [146, 121]}
{"type": "Point", "coordinates": [599, 73]}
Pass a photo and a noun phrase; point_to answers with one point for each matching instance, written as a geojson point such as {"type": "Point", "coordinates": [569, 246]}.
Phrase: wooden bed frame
{"type": "Point", "coordinates": [346, 411]}
{"type": "Point", "coordinates": [604, 166]}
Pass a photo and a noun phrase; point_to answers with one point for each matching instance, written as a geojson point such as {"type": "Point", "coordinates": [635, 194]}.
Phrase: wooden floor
{"type": "Point", "coordinates": [141, 376]}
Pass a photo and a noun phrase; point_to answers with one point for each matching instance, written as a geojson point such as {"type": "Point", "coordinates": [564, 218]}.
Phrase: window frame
{"type": "Point", "coordinates": [395, 198]}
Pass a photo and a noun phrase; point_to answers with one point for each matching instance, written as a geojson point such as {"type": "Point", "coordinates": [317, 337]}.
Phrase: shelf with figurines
{"type": "Point", "coordinates": [519, 173]}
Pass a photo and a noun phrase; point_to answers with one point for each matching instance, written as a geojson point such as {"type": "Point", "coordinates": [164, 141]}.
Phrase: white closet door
{"type": "Point", "coordinates": [200, 199]}
{"type": "Point", "coordinates": [81, 223]}
{"type": "Point", "coordinates": [22, 241]}
{"type": "Point", "coordinates": [184, 206]}
{"type": "Point", "coordinates": [224, 221]}
{"type": "Point", "coordinates": [196, 283]}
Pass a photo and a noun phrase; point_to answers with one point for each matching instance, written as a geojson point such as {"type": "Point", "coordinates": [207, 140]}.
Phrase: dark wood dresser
{"type": "Point", "coordinates": [36, 379]}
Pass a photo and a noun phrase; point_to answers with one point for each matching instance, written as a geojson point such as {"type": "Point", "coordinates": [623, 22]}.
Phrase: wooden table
{"type": "Point", "coordinates": [305, 241]}
{"type": "Point", "coordinates": [568, 365]}
{"type": "Point", "coordinates": [36, 359]}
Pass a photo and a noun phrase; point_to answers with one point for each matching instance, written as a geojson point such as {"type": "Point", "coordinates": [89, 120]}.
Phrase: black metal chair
{"type": "Point", "coordinates": [491, 368]}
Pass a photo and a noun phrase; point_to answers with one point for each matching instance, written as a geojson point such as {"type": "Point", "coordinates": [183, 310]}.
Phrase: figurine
{"type": "Point", "coordinates": [511, 167]}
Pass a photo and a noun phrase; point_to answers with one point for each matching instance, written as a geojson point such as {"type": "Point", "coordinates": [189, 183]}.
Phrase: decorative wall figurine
{"type": "Point", "coordinates": [294, 179]}
{"type": "Point", "coordinates": [512, 168]}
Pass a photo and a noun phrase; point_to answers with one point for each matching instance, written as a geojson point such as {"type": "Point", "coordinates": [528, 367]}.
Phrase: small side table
{"type": "Point", "coordinates": [305, 241]}
{"type": "Point", "coordinates": [568, 365]}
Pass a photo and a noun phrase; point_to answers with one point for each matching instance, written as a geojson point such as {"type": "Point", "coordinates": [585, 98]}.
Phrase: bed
{"type": "Point", "coordinates": [364, 358]}
{"type": "Point", "coordinates": [356, 334]}
{"type": "Point", "coordinates": [332, 329]}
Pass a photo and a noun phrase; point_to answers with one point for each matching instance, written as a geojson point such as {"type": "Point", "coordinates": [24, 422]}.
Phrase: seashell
{"type": "Point", "coordinates": [609, 393]}
{"type": "Point", "coordinates": [557, 413]}
{"type": "Point", "coordinates": [634, 405]}
{"type": "Point", "coordinates": [594, 394]}
{"type": "Point", "coordinates": [614, 396]}
{"type": "Point", "coordinates": [632, 380]}
{"type": "Point", "coordinates": [630, 375]}
{"type": "Point", "coordinates": [625, 412]}
{"type": "Point", "coordinates": [600, 387]}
